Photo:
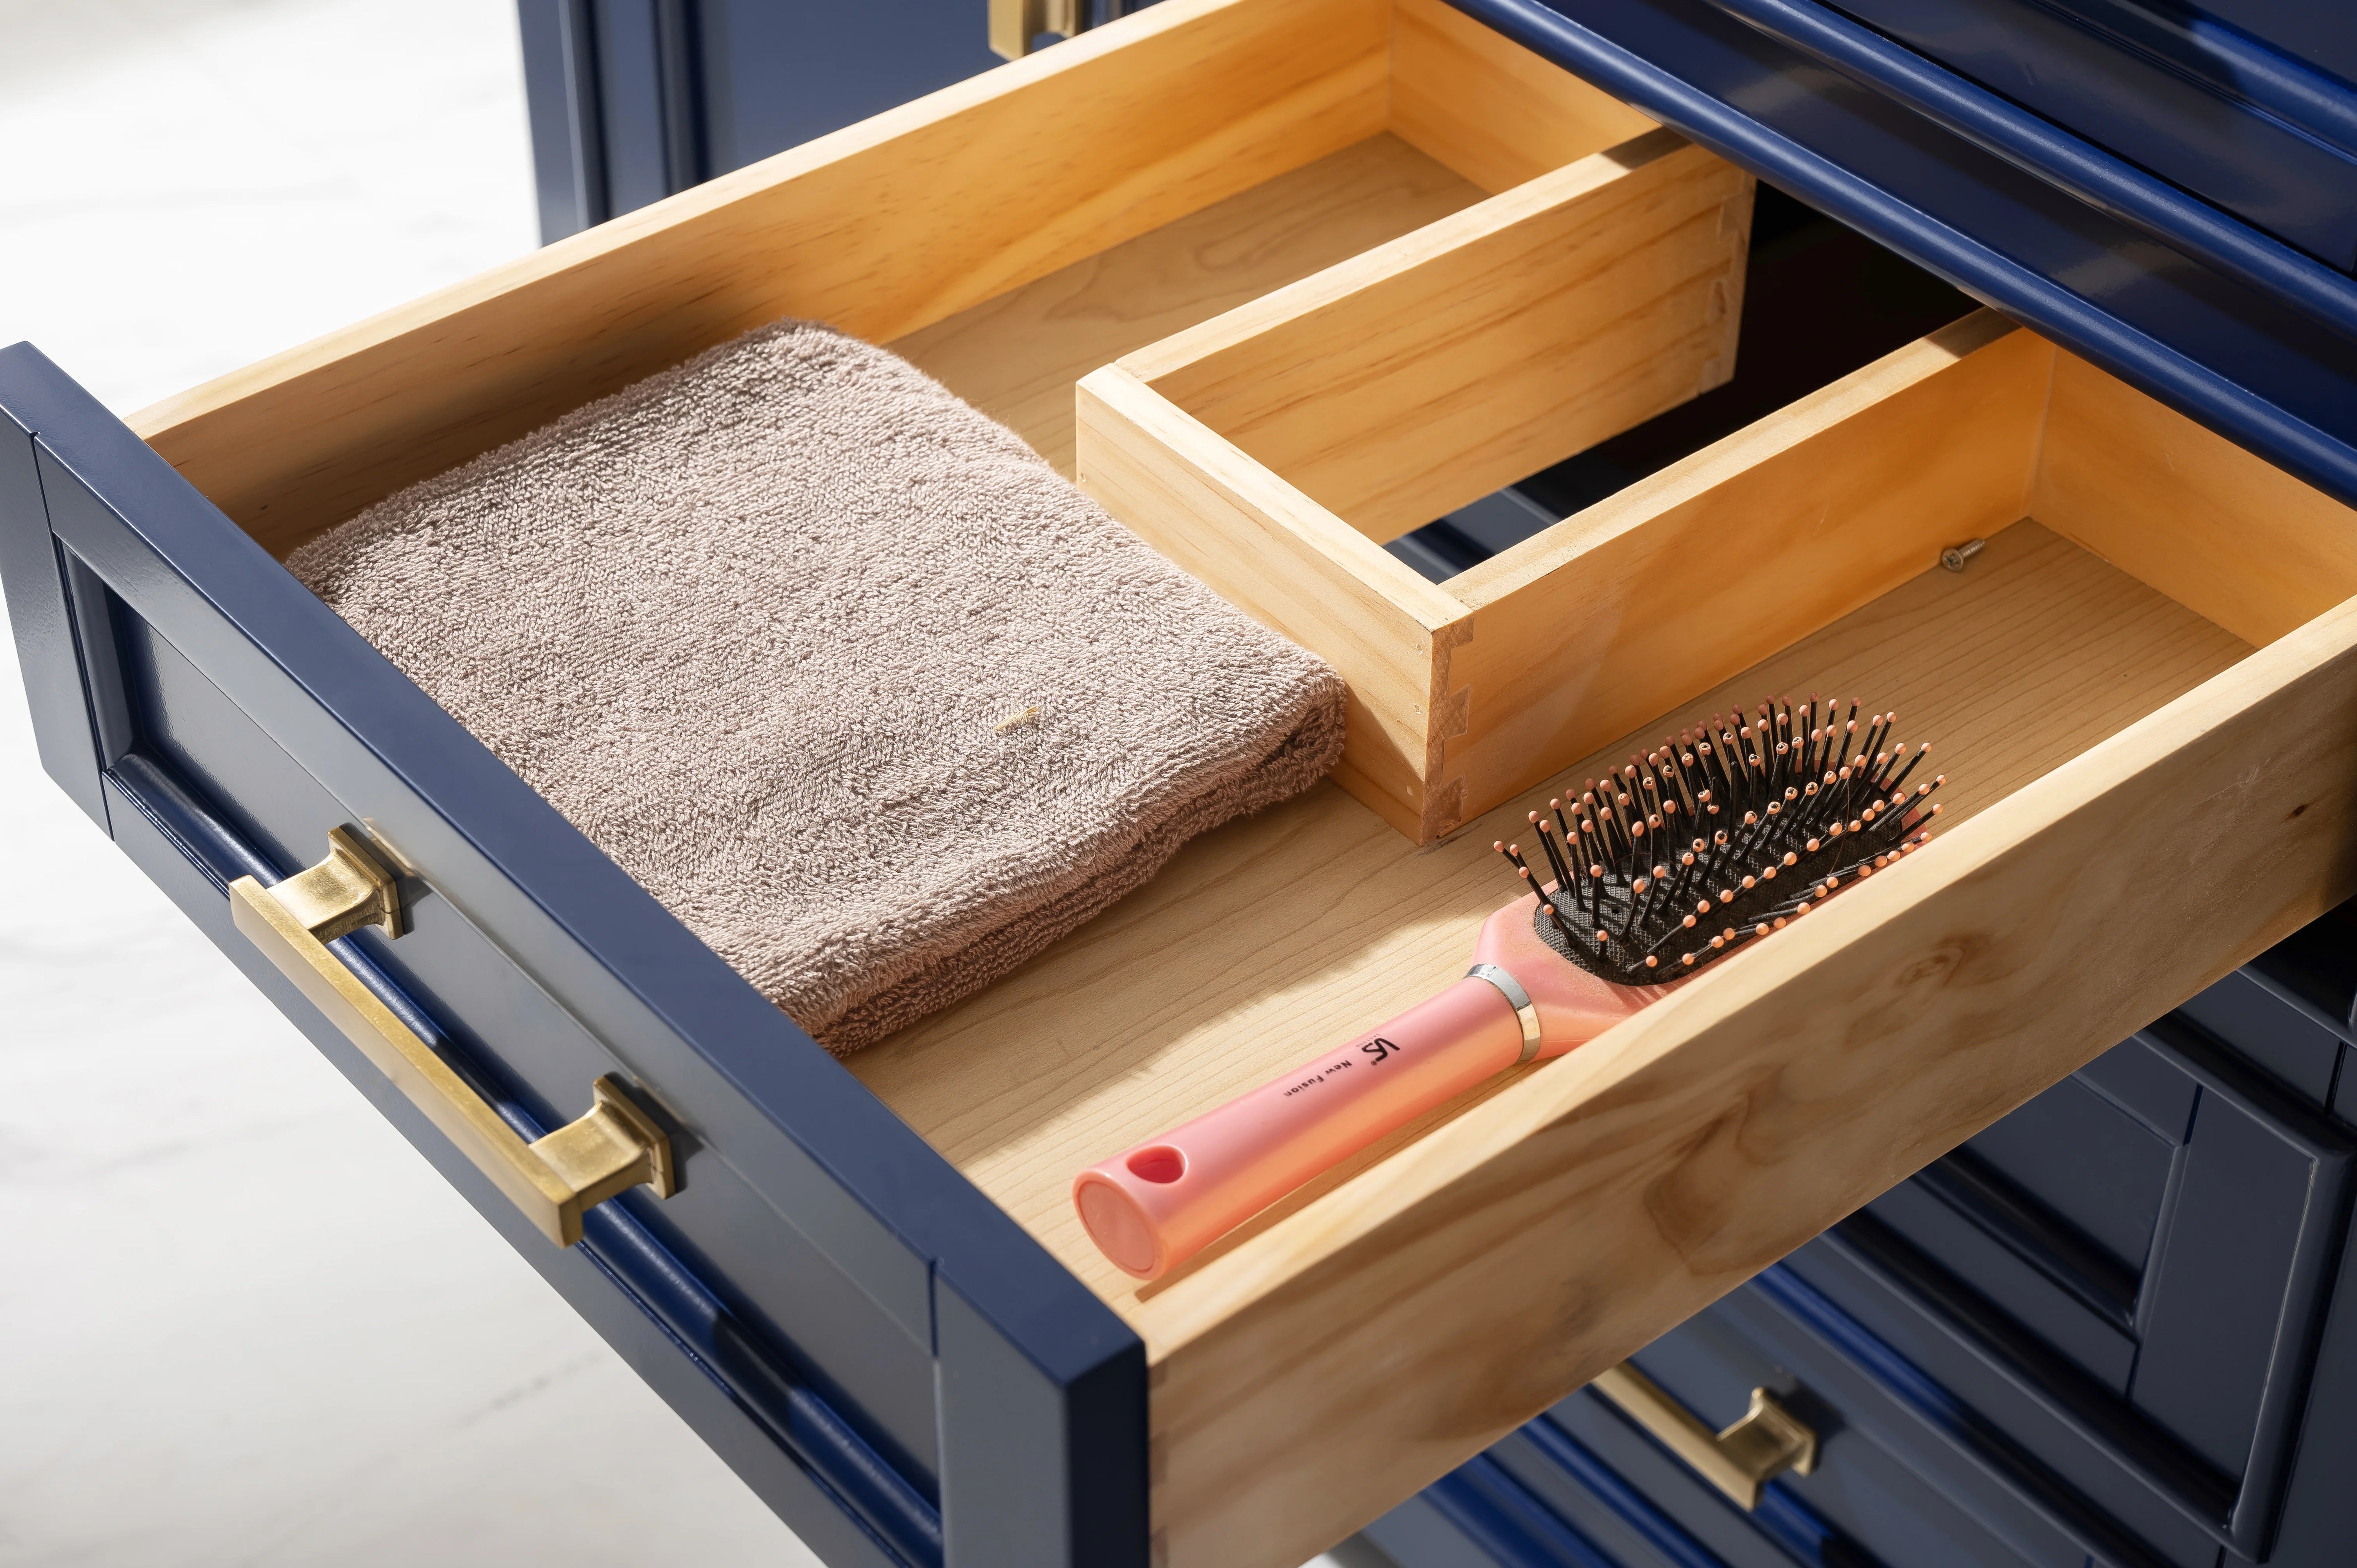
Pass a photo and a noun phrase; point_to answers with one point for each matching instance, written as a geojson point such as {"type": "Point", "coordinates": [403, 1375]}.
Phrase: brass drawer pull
{"type": "Point", "coordinates": [1739, 1461]}
{"type": "Point", "coordinates": [554, 1180]}
{"type": "Point", "coordinates": [1014, 23]}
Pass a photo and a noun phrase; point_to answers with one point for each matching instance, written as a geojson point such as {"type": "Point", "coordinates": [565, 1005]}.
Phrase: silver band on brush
{"type": "Point", "coordinates": [1518, 999]}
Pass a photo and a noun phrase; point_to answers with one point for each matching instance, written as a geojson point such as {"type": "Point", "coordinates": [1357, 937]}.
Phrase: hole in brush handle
{"type": "Point", "coordinates": [1158, 1163]}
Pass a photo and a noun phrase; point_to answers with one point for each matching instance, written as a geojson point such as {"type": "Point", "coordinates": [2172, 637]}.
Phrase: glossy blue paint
{"type": "Point", "coordinates": [788, 1157]}
{"type": "Point", "coordinates": [1498, 1515]}
{"type": "Point", "coordinates": [2263, 56]}
{"type": "Point", "coordinates": [609, 90]}
{"type": "Point", "coordinates": [2312, 972]}
{"type": "Point", "coordinates": [2234, 358]}
{"type": "Point", "coordinates": [2113, 183]}
{"type": "Point", "coordinates": [1795, 1529]}
{"type": "Point", "coordinates": [2094, 72]}
{"type": "Point", "coordinates": [1039, 1489]}
{"type": "Point", "coordinates": [160, 844]}
{"type": "Point", "coordinates": [836, 1457]}
{"type": "Point", "coordinates": [34, 577]}
{"type": "Point", "coordinates": [2230, 1298]}
{"type": "Point", "coordinates": [1955, 1432]}
{"type": "Point", "coordinates": [560, 106]}
{"type": "Point", "coordinates": [2300, 1051]}
{"type": "Point", "coordinates": [775, 1279]}
{"type": "Point", "coordinates": [1987, 1434]}
{"type": "Point", "coordinates": [838, 1461]}
{"type": "Point", "coordinates": [2317, 35]}
{"type": "Point", "coordinates": [1661, 1534]}
{"type": "Point", "coordinates": [772, 76]}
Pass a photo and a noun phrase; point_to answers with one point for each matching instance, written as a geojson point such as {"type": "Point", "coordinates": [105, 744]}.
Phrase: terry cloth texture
{"type": "Point", "coordinates": [838, 669]}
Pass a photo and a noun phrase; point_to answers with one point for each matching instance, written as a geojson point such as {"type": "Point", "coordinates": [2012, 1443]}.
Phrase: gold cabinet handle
{"type": "Point", "coordinates": [1014, 23]}
{"type": "Point", "coordinates": [1741, 1460]}
{"type": "Point", "coordinates": [554, 1180]}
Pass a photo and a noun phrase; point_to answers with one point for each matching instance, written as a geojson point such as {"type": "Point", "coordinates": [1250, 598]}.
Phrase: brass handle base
{"type": "Point", "coordinates": [616, 1145]}
{"type": "Point", "coordinates": [1739, 1461]}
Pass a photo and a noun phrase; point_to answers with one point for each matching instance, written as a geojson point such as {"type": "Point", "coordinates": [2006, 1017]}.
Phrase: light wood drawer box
{"type": "Point", "coordinates": [897, 1332]}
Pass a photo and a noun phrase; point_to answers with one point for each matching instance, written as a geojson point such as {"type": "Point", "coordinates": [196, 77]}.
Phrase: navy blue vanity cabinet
{"type": "Point", "coordinates": [2113, 1328]}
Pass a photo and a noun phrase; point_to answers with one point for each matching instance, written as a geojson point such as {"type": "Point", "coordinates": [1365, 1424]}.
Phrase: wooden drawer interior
{"type": "Point", "coordinates": [2140, 690]}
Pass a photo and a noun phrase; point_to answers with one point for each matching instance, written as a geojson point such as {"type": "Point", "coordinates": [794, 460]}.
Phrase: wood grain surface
{"type": "Point", "coordinates": [1026, 174]}
{"type": "Point", "coordinates": [1487, 108]}
{"type": "Point", "coordinates": [1427, 372]}
{"type": "Point", "coordinates": [1715, 562]}
{"type": "Point", "coordinates": [1544, 651]}
{"type": "Point", "coordinates": [1016, 355]}
{"type": "Point", "coordinates": [1285, 561]}
{"type": "Point", "coordinates": [1314, 920]}
{"type": "Point", "coordinates": [2138, 800]}
{"type": "Point", "coordinates": [1368, 1343]}
{"type": "Point", "coordinates": [2146, 487]}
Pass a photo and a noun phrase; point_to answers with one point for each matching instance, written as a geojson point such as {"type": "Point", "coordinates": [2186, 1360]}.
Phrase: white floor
{"type": "Point", "coordinates": [241, 1321]}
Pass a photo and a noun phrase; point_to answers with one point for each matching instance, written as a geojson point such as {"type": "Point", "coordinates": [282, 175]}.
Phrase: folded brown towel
{"type": "Point", "coordinates": [870, 697]}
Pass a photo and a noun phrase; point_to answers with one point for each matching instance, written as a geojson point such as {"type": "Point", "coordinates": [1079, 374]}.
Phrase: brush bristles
{"type": "Point", "coordinates": [1728, 832]}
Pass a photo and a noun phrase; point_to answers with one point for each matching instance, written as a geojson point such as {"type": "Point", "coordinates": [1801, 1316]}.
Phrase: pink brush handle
{"type": "Point", "coordinates": [1157, 1205]}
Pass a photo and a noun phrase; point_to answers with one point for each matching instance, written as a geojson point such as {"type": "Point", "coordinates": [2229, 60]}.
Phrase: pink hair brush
{"type": "Point", "coordinates": [1724, 834]}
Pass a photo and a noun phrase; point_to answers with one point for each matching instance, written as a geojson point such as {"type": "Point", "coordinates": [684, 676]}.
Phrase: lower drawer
{"type": "Point", "coordinates": [2113, 1328]}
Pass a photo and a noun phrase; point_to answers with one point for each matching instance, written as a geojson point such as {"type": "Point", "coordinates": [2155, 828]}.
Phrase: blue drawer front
{"type": "Point", "coordinates": [886, 1356]}
{"type": "Point", "coordinates": [2106, 1330]}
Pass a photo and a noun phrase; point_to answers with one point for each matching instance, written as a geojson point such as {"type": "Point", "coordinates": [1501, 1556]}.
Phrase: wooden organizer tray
{"type": "Point", "coordinates": [2143, 690]}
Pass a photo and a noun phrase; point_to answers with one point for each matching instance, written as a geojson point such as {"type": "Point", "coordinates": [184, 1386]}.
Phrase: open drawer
{"type": "Point", "coordinates": [868, 1291]}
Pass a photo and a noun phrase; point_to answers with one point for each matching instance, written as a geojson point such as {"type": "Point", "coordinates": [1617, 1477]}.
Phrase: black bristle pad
{"type": "Point", "coordinates": [1716, 825]}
